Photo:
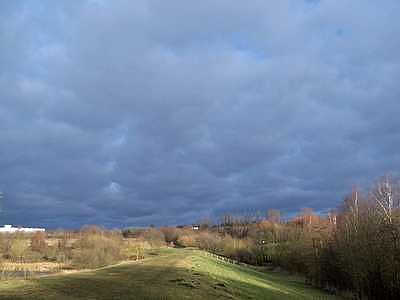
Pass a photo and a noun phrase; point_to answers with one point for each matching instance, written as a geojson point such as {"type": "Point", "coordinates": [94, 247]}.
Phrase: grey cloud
{"type": "Point", "coordinates": [130, 113]}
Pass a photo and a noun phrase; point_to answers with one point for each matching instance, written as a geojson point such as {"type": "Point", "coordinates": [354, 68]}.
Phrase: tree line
{"type": "Point", "coordinates": [354, 251]}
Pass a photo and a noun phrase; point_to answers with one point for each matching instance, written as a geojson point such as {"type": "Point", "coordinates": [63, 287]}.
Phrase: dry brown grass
{"type": "Point", "coordinates": [45, 267]}
{"type": "Point", "coordinates": [55, 241]}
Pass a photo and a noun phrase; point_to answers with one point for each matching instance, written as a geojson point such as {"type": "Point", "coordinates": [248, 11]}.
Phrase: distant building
{"type": "Point", "coordinates": [10, 229]}
{"type": "Point", "coordinates": [195, 227]}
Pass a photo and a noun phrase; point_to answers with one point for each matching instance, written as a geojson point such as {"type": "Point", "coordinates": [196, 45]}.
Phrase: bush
{"type": "Point", "coordinates": [18, 249]}
{"type": "Point", "coordinates": [171, 235]}
{"type": "Point", "coordinates": [96, 250]}
{"type": "Point", "coordinates": [38, 242]}
{"type": "Point", "coordinates": [154, 237]}
{"type": "Point", "coordinates": [209, 241]}
{"type": "Point", "coordinates": [187, 240]}
{"type": "Point", "coordinates": [133, 232]}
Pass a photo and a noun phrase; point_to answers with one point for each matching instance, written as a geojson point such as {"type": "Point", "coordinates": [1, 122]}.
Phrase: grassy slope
{"type": "Point", "coordinates": [175, 274]}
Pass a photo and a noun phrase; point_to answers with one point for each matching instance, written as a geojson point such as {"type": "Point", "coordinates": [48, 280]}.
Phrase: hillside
{"type": "Point", "coordinates": [173, 274]}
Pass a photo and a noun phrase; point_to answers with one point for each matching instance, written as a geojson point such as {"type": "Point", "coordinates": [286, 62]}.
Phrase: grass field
{"type": "Point", "coordinates": [173, 274]}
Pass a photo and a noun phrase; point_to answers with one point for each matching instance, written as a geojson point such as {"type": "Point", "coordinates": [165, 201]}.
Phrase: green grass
{"type": "Point", "coordinates": [173, 274]}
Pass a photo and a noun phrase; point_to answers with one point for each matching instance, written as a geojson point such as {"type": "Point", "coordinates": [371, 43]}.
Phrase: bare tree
{"type": "Point", "coordinates": [307, 215]}
{"type": "Point", "coordinates": [351, 208]}
{"type": "Point", "coordinates": [386, 197]}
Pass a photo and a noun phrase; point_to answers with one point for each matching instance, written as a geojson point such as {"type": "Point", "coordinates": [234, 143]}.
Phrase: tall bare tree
{"type": "Point", "coordinates": [386, 196]}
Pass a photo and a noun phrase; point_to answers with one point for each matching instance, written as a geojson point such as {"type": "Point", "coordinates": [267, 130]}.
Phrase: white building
{"type": "Point", "coordinates": [10, 229]}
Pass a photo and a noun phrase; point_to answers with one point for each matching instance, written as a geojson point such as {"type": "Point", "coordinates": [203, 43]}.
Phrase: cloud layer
{"type": "Point", "coordinates": [136, 112]}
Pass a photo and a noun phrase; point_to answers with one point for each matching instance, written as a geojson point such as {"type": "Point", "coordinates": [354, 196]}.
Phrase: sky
{"type": "Point", "coordinates": [130, 113]}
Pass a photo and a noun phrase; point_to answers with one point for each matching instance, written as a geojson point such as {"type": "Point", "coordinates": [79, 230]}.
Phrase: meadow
{"type": "Point", "coordinates": [166, 274]}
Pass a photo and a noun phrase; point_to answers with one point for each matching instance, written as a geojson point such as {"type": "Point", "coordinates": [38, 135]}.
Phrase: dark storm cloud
{"type": "Point", "coordinates": [129, 113]}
